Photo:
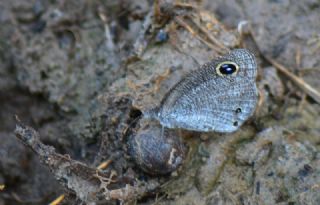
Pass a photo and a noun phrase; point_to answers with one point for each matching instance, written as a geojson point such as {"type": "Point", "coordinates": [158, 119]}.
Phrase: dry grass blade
{"type": "Point", "coordinates": [308, 89]}
{"type": "Point", "coordinates": [311, 91]}
{"type": "Point", "coordinates": [186, 26]}
{"type": "Point", "coordinates": [210, 37]}
{"type": "Point", "coordinates": [58, 200]}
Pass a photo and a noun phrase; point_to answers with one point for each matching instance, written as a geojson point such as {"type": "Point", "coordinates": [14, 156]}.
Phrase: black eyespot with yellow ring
{"type": "Point", "coordinates": [227, 68]}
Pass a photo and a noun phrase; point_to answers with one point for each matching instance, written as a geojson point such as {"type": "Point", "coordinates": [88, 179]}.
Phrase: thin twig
{"type": "Point", "coordinates": [182, 23]}
{"type": "Point", "coordinates": [311, 91]}
{"type": "Point", "coordinates": [308, 89]}
{"type": "Point", "coordinates": [58, 200]}
{"type": "Point", "coordinates": [209, 36]}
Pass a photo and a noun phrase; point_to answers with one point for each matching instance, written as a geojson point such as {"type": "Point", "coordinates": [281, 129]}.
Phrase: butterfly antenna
{"type": "Point", "coordinates": [162, 130]}
{"type": "Point", "coordinates": [132, 123]}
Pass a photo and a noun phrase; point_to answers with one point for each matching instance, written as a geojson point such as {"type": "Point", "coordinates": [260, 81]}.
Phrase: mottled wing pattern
{"type": "Point", "coordinates": [206, 101]}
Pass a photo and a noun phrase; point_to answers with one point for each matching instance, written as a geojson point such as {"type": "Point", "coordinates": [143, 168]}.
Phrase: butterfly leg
{"type": "Point", "coordinates": [162, 130]}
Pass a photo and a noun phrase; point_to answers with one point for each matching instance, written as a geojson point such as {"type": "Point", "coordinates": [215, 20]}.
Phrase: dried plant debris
{"type": "Point", "coordinates": [88, 184]}
{"type": "Point", "coordinates": [289, 40]}
{"type": "Point", "coordinates": [286, 35]}
{"type": "Point", "coordinates": [192, 36]}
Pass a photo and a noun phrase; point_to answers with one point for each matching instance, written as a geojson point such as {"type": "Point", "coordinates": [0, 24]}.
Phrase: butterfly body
{"type": "Point", "coordinates": [219, 96]}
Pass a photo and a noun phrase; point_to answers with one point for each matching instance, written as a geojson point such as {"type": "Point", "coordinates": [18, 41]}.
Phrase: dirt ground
{"type": "Point", "coordinates": [75, 77]}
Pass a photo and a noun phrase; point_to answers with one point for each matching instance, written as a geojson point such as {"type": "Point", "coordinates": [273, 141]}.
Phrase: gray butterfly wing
{"type": "Point", "coordinates": [207, 101]}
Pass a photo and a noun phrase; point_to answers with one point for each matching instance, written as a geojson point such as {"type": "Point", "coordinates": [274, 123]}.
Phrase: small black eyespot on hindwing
{"type": "Point", "coordinates": [235, 123]}
{"type": "Point", "coordinates": [238, 110]}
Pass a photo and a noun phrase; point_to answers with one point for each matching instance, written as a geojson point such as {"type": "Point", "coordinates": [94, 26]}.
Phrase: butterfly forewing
{"type": "Point", "coordinates": [207, 101]}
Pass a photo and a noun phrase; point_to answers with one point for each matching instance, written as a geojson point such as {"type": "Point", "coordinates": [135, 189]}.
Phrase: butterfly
{"type": "Point", "coordinates": [219, 96]}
